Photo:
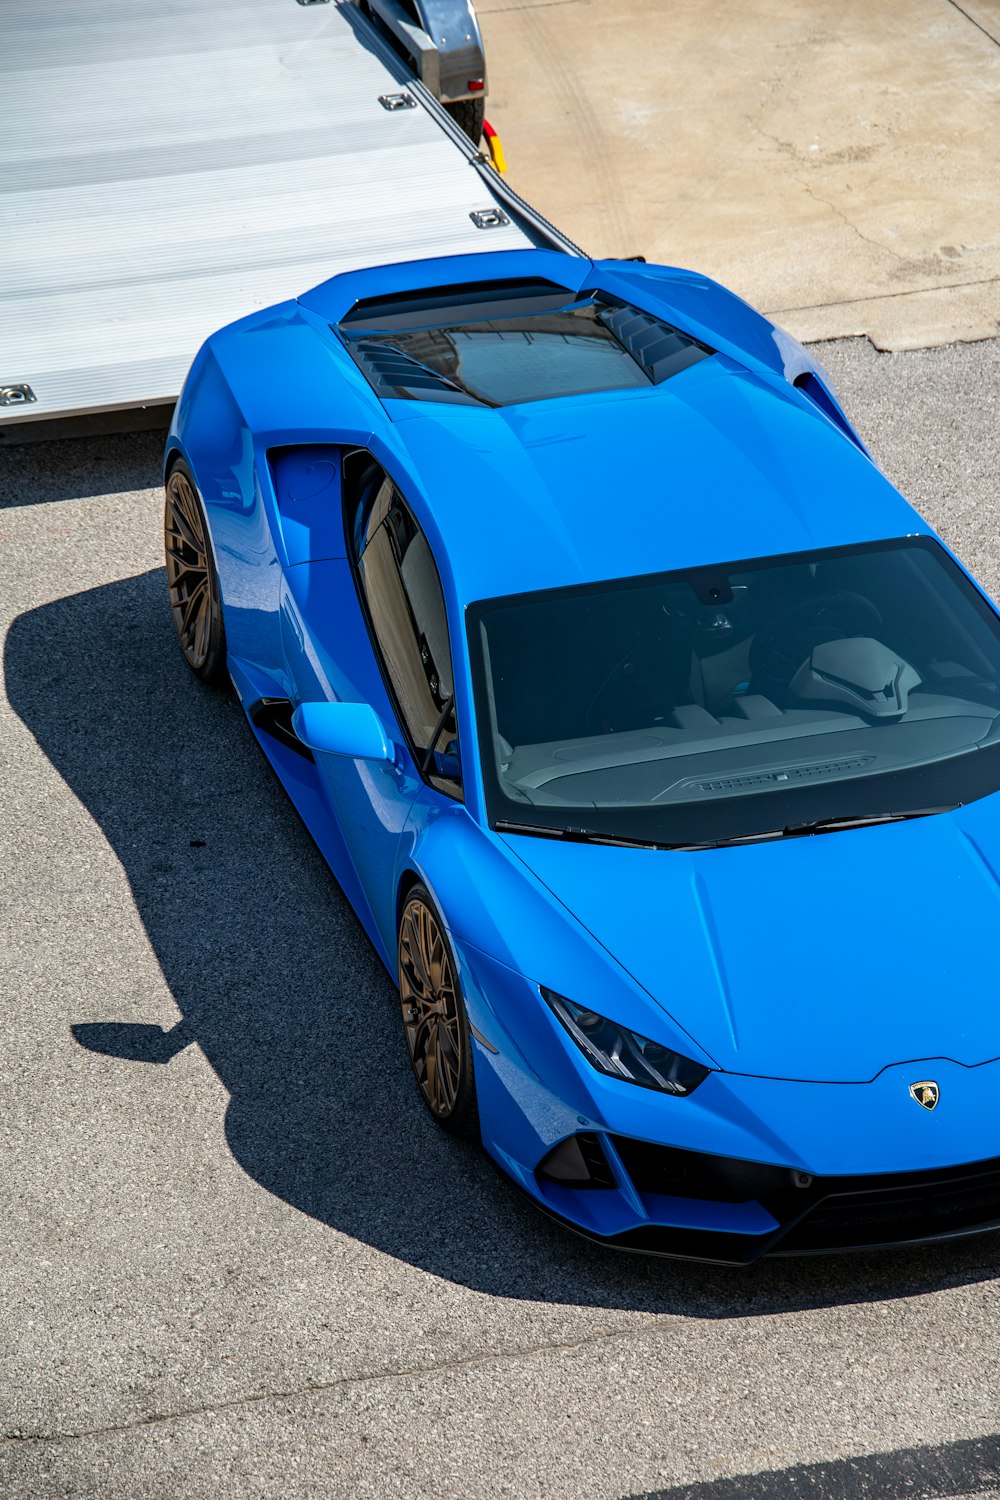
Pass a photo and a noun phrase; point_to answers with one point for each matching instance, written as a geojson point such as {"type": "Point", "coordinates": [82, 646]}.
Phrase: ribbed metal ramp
{"type": "Point", "coordinates": [168, 166]}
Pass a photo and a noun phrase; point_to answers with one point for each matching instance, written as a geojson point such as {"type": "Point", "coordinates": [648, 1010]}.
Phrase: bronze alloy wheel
{"type": "Point", "coordinates": [191, 579]}
{"type": "Point", "coordinates": [437, 1029]}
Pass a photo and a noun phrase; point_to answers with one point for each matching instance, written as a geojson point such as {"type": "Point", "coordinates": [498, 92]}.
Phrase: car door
{"type": "Point", "coordinates": [404, 669]}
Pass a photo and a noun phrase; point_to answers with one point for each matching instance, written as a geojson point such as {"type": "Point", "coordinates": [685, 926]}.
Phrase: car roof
{"type": "Point", "coordinates": [715, 465]}
{"type": "Point", "coordinates": [723, 461]}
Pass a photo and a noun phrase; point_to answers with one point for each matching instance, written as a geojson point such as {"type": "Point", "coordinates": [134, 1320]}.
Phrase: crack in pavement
{"type": "Point", "coordinates": [519, 5]}
{"type": "Point", "coordinates": [849, 224]}
{"type": "Point", "coordinates": [918, 291]}
{"type": "Point", "coordinates": [320, 1386]}
{"type": "Point", "coordinates": [662, 1323]}
{"type": "Point", "coordinates": [792, 150]}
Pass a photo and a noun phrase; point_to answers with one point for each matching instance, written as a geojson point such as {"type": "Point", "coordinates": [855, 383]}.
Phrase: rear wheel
{"type": "Point", "coordinates": [192, 582]}
{"type": "Point", "coordinates": [469, 114]}
{"type": "Point", "coordinates": [434, 1018]}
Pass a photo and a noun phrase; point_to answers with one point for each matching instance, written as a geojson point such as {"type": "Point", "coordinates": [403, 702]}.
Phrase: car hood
{"type": "Point", "coordinates": [825, 957]}
{"type": "Point", "coordinates": [577, 488]}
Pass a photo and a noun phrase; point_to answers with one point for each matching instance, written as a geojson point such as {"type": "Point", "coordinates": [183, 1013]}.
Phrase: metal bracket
{"type": "Point", "coordinates": [16, 395]}
{"type": "Point", "coordinates": [489, 218]}
{"type": "Point", "coordinates": [397, 101]}
{"type": "Point", "coordinates": [314, 2]}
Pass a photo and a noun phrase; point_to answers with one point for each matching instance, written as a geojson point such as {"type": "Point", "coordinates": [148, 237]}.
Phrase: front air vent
{"type": "Point", "coordinates": [676, 1173]}
{"type": "Point", "coordinates": [857, 1211]}
{"type": "Point", "coordinates": [578, 1162]}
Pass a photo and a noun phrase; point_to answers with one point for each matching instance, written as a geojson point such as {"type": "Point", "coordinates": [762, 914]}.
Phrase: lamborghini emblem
{"type": "Point", "coordinates": [926, 1093]}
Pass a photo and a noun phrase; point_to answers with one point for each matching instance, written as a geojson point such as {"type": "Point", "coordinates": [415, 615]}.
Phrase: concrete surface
{"type": "Point", "coordinates": [238, 1260]}
{"type": "Point", "coordinates": [833, 161]}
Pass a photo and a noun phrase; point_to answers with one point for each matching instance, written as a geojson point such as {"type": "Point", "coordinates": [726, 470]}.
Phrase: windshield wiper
{"type": "Point", "coordinates": [579, 835]}
{"type": "Point", "coordinates": [826, 825]}
{"type": "Point", "coordinates": [863, 820]}
{"type": "Point", "coordinates": [791, 831]}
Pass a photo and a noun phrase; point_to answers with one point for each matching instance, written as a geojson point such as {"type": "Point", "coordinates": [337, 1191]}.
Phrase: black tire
{"type": "Point", "coordinates": [192, 581]}
{"type": "Point", "coordinates": [469, 113]}
{"type": "Point", "coordinates": [435, 1022]}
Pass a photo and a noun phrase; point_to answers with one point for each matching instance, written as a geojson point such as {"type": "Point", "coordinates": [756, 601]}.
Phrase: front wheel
{"type": "Point", "coordinates": [192, 582]}
{"type": "Point", "coordinates": [434, 1018]}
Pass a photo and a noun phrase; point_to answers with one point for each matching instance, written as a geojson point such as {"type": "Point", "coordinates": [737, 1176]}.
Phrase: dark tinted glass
{"type": "Point", "coordinates": [690, 707]}
{"type": "Point", "coordinates": [528, 349]}
{"type": "Point", "coordinates": [402, 595]}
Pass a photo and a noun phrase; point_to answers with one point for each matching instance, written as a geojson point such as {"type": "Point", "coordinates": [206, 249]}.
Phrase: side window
{"type": "Point", "coordinates": [401, 591]}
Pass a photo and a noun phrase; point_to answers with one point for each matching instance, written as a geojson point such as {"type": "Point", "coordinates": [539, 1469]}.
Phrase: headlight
{"type": "Point", "coordinates": [621, 1053]}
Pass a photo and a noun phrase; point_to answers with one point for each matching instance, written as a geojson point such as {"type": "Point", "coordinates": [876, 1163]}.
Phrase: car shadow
{"type": "Point", "coordinates": [76, 468]}
{"type": "Point", "coordinates": [277, 984]}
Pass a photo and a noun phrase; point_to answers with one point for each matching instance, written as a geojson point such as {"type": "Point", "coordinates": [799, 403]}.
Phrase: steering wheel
{"type": "Point", "coordinates": [782, 644]}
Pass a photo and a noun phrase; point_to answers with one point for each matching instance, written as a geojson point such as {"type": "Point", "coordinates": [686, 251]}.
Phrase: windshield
{"type": "Point", "coordinates": [735, 700]}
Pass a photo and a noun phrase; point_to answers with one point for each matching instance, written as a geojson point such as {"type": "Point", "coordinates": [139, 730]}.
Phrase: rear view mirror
{"type": "Point", "coordinates": [351, 729]}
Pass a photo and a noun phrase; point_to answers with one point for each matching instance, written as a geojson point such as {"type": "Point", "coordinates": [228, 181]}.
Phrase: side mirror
{"type": "Point", "coordinates": [351, 729]}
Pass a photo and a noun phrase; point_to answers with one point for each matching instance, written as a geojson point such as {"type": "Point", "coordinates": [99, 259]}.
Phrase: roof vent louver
{"type": "Point", "coordinates": [503, 343]}
{"type": "Point", "coordinates": [659, 348]}
{"type": "Point", "coordinates": [391, 373]}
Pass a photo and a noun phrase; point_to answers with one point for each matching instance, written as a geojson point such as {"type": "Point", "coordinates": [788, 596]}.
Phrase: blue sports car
{"type": "Point", "coordinates": [653, 737]}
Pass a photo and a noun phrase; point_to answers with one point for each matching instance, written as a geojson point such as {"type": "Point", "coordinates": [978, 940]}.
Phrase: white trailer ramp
{"type": "Point", "coordinates": [167, 167]}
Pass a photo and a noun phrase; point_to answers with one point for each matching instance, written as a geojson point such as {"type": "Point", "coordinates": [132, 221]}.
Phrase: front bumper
{"type": "Point", "coordinates": [771, 1166]}
{"type": "Point", "coordinates": [733, 1213]}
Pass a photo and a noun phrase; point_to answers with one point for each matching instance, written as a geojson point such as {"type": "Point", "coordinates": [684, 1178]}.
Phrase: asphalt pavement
{"type": "Point", "coordinates": [238, 1259]}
